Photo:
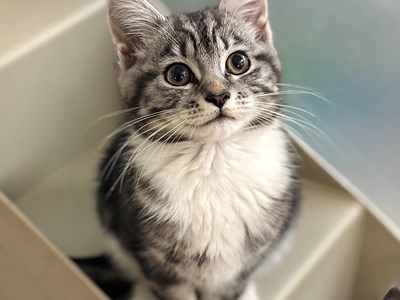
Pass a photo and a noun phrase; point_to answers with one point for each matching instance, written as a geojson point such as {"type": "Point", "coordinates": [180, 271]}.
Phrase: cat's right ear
{"type": "Point", "coordinates": [131, 21]}
{"type": "Point", "coordinates": [254, 11]}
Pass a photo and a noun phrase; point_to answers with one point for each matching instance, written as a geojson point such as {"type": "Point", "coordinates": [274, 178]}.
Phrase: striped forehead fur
{"type": "Point", "coordinates": [202, 40]}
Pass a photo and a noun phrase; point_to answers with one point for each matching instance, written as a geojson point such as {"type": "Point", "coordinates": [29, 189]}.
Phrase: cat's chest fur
{"type": "Point", "coordinates": [218, 193]}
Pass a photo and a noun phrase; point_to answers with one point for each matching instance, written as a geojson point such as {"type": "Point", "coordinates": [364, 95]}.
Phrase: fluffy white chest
{"type": "Point", "coordinates": [218, 191]}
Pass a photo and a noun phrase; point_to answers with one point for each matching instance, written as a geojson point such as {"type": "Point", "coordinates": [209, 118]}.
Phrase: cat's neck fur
{"type": "Point", "coordinates": [213, 157]}
{"type": "Point", "coordinates": [203, 187]}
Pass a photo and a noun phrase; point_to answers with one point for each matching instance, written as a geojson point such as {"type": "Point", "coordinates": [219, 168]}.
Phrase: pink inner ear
{"type": "Point", "coordinates": [126, 55]}
{"type": "Point", "coordinates": [255, 11]}
{"type": "Point", "coordinates": [260, 18]}
{"type": "Point", "coordinates": [126, 45]}
{"type": "Point", "coordinates": [261, 21]}
{"type": "Point", "coordinates": [124, 49]}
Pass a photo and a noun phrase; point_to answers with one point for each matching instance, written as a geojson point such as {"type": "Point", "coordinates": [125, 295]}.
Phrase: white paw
{"type": "Point", "coordinates": [142, 291]}
{"type": "Point", "coordinates": [250, 292]}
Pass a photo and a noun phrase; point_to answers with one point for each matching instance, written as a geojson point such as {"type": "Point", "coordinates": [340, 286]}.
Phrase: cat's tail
{"type": "Point", "coordinates": [106, 276]}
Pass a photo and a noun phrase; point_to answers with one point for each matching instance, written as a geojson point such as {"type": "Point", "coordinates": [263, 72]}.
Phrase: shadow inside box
{"type": "Point", "coordinates": [102, 272]}
{"type": "Point", "coordinates": [118, 287]}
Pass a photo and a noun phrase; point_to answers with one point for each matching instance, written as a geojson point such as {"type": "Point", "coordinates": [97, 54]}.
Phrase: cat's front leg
{"type": "Point", "coordinates": [237, 291]}
{"type": "Point", "coordinates": [143, 291]}
{"type": "Point", "coordinates": [250, 293]}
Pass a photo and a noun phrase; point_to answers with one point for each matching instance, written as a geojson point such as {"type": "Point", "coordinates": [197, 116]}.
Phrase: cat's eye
{"type": "Point", "coordinates": [178, 74]}
{"type": "Point", "coordinates": [237, 63]}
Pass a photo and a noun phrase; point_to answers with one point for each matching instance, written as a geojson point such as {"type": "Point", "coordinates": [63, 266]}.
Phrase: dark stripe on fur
{"type": "Point", "coordinates": [141, 83]}
{"type": "Point", "coordinates": [268, 59]}
{"type": "Point", "coordinates": [226, 44]}
{"type": "Point", "coordinates": [263, 88]}
{"type": "Point", "coordinates": [167, 51]}
{"type": "Point", "coordinates": [238, 40]}
{"type": "Point", "coordinates": [201, 258]}
{"type": "Point", "coordinates": [178, 27]}
{"type": "Point", "coordinates": [214, 35]}
{"type": "Point", "coordinates": [182, 49]}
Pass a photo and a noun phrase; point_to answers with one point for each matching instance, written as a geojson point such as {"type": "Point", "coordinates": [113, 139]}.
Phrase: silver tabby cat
{"type": "Point", "coordinates": [199, 185]}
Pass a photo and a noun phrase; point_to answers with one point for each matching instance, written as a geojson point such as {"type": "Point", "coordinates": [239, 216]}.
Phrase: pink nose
{"type": "Point", "coordinates": [218, 100]}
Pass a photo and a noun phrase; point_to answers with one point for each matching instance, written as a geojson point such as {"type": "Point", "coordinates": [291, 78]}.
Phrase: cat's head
{"type": "Point", "coordinates": [199, 76]}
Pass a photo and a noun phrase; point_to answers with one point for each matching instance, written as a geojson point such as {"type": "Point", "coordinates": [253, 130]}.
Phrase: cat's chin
{"type": "Point", "coordinates": [217, 129]}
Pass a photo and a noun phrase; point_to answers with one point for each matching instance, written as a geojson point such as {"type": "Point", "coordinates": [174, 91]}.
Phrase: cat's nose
{"type": "Point", "coordinates": [218, 100]}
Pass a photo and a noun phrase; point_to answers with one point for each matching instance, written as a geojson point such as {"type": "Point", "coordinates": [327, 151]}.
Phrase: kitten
{"type": "Point", "coordinates": [198, 187]}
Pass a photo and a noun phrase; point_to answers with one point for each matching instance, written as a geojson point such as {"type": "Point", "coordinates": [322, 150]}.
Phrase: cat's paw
{"type": "Point", "coordinates": [250, 292]}
{"type": "Point", "coordinates": [142, 292]}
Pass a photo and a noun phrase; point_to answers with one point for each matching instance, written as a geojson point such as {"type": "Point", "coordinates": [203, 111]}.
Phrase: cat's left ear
{"type": "Point", "coordinates": [255, 11]}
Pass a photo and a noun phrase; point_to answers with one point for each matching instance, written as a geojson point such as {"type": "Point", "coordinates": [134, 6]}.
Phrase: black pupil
{"type": "Point", "coordinates": [178, 74]}
{"type": "Point", "coordinates": [238, 61]}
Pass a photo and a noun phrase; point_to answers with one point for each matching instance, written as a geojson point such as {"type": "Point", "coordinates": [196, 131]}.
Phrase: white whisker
{"type": "Point", "coordinates": [113, 114]}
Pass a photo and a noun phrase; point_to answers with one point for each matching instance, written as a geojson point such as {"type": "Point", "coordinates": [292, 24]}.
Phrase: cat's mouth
{"type": "Point", "coordinates": [219, 119]}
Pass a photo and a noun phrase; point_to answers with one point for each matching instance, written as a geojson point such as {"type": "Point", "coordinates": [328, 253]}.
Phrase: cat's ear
{"type": "Point", "coordinates": [255, 11]}
{"type": "Point", "coordinates": [131, 21]}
